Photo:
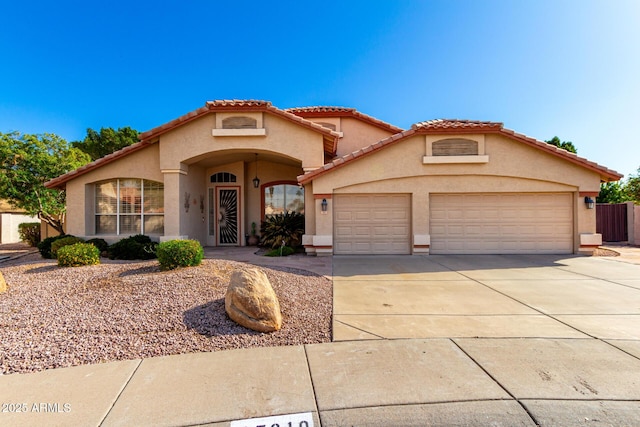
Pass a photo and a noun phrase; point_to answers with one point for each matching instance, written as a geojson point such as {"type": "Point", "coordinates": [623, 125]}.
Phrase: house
{"type": "Point", "coordinates": [364, 186]}
{"type": "Point", "coordinates": [10, 219]}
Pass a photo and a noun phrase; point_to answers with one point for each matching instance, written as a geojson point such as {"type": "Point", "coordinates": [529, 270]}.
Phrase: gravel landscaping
{"type": "Point", "coordinates": [53, 317]}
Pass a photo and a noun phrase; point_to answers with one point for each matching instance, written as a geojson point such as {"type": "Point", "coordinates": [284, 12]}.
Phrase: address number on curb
{"type": "Point", "coordinates": [304, 419]}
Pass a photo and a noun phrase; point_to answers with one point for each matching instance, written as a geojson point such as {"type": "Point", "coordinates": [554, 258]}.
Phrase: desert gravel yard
{"type": "Point", "coordinates": [53, 317]}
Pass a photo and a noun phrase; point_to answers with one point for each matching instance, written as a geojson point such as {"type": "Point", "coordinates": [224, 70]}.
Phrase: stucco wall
{"type": "Point", "coordinates": [9, 226]}
{"type": "Point", "coordinates": [193, 222]}
{"type": "Point", "coordinates": [512, 167]}
{"type": "Point", "coordinates": [142, 164]}
{"type": "Point", "coordinates": [193, 142]}
{"type": "Point", "coordinates": [357, 134]}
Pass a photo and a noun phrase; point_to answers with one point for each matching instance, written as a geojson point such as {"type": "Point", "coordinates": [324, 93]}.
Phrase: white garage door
{"type": "Point", "coordinates": [501, 223]}
{"type": "Point", "coordinates": [372, 223]}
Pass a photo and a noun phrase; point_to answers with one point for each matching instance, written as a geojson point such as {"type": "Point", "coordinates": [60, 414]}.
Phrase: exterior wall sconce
{"type": "Point", "coordinates": [256, 180]}
{"type": "Point", "coordinates": [187, 198]}
{"type": "Point", "coordinates": [324, 205]}
{"type": "Point", "coordinates": [589, 202]}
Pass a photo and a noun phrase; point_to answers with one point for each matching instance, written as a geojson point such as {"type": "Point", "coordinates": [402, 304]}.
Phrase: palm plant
{"type": "Point", "coordinates": [286, 227]}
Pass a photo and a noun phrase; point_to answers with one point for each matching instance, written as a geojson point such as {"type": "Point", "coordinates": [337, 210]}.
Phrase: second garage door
{"type": "Point", "coordinates": [372, 223]}
{"type": "Point", "coordinates": [501, 223]}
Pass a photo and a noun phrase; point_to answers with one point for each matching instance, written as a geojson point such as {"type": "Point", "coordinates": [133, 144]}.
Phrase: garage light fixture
{"type": "Point", "coordinates": [323, 206]}
{"type": "Point", "coordinates": [589, 202]}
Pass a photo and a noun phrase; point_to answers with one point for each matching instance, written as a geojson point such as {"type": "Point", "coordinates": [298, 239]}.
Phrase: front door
{"type": "Point", "coordinates": [227, 224]}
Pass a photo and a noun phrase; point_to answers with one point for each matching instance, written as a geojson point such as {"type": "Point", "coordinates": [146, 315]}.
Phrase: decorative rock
{"type": "Point", "coordinates": [251, 301]}
{"type": "Point", "coordinates": [3, 284]}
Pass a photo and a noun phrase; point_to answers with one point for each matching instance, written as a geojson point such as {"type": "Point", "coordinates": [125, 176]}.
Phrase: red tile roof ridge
{"type": "Point", "coordinates": [481, 126]}
{"type": "Point", "coordinates": [347, 158]}
{"type": "Point", "coordinates": [210, 106]}
{"type": "Point", "coordinates": [237, 102]}
{"type": "Point", "coordinates": [319, 110]}
{"type": "Point", "coordinates": [455, 124]}
{"type": "Point", "coordinates": [150, 136]}
{"type": "Point", "coordinates": [58, 181]}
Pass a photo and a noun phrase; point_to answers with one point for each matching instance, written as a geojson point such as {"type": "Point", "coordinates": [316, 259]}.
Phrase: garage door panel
{"type": "Point", "coordinates": [371, 224]}
{"type": "Point", "coordinates": [501, 223]}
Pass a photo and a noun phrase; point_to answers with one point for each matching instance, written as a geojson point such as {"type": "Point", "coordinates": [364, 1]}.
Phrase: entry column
{"type": "Point", "coordinates": [173, 194]}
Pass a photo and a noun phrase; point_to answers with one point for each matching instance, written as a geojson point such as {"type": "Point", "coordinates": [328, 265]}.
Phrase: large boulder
{"type": "Point", "coordinates": [251, 302]}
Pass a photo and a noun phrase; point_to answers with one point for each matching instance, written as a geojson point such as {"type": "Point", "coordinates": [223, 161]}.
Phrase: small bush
{"type": "Point", "coordinates": [29, 233]}
{"type": "Point", "coordinates": [45, 246]}
{"type": "Point", "coordinates": [78, 254]}
{"type": "Point", "coordinates": [101, 244]}
{"type": "Point", "coordinates": [179, 253]}
{"type": "Point", "coordinates": [65, 241]}
{"type": "Point", "coordinates": [134, 247]}
{"type": "Point", "coordinates": [283, 251]}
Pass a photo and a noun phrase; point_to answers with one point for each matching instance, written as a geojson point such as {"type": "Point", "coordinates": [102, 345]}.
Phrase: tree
{"type": "Point", "coordinates": [26, 163]}
{"type": "Point", "coordinates": [108, 140]}
{"type": "Point", "coordinates": [611, 192]}
{"type": "Point", "coordinates": [632, 188]}
{"type": "Point", "coordinates": [565, 145]}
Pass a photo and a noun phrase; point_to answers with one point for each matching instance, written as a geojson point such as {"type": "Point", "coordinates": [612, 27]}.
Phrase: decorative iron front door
{"type": "Point", "coordinates": [228, 227]}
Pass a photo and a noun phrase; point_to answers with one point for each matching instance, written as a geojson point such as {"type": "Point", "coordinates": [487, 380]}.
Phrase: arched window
{"type": "Point", "coordinates": [282, 197]}
{"type": "Point", "coordinates": [239, 122]}
{"type": "Point", "coordinates": [129, 206]}
{"type": "Point", "coordinates": [223, 177]}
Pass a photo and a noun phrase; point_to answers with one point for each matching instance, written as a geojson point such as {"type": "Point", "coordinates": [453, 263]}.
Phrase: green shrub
{"type": "Point", "coordinates": [287, 227]}
{"type": "Point", "coordinates": [65, 241]}
{"type": "Point", "coordinates": [134, 247]}
{"type": "Point", "coordinates": [282, 251]}
{"type": "Point", "coordinates": [179, 253]}
{"type": "Point", "coordinates": [45, 246]}
{"type": "Point", "coordinates": [101, 244]}
{"type": "Point", "coordinates": [78, 254]}
{"type": "Point", "coordinates": [29, 233]}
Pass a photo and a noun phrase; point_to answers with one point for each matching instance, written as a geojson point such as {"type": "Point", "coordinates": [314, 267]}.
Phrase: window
{"type": "Point", "coordinates": [223, 177]}
{"type": "Point", "coordinates": [455, 147]}
{"type": "Point", "coordinates": [281, 198]}
{"type": "Point", "coordinates": [129, 206]}
{"type": "Point", "coordinates": [467, 150]}
{"type": "Point", "coordinates": [239, 122]}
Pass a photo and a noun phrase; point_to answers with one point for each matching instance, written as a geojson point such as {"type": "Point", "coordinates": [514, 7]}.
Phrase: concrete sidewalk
{"type": "Point", "coordinates": [514, 382]}
{"type": "Point", "coordinates": [495, 340]}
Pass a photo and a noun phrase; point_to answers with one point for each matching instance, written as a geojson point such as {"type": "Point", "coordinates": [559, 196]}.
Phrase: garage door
{"type": "Point", "coordinates": [372, 224]}
{"type": "Point", "coordinates": [501, 223]}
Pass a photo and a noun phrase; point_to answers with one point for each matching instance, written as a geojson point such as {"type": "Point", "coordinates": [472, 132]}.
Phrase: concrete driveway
{"type": "Point", "coordinates": [488, 296]}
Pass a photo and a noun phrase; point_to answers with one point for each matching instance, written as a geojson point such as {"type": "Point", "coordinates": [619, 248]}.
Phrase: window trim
{"type": "Point", "coordinates": [430, 159]}
{"type": "Point", "coordinates": [272, 184]}
{"type": "Point", "coordinates": [118, 214]}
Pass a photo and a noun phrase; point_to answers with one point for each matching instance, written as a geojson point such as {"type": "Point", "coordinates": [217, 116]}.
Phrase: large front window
{"type": "Point", "coordinates": [280, 198]}
{"type": "Point", "coordinates": [129, 206]}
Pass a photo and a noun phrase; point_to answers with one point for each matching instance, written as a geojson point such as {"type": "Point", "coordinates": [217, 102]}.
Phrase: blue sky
{"type": "Point", "coordinates": [543, 68]}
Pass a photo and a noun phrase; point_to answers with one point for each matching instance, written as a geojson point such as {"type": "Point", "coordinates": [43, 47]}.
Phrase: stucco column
{"type": "Point", "coordinates": [309, 220]}
{"type": "Point", "coordinates": [588, 238]}
{"type": "Point", "coordinates": [173, 201]}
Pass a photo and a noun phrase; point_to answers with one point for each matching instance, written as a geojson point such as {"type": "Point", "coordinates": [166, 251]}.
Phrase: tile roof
{"type": "Point", "coordinates": [62, 179]}
{"type": "Point", "coordinates": [441, 126]}
{"type": "Point", "coordinates": [331, 111]}
{"type": "Point", "coordinates": [320, 109]}
{"type": "Point", "coordinates": [236, 105]}
{"type": "Point", "coordinates": [456, 125]}
{"type": "Point", "coordinates": [330, 137]}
